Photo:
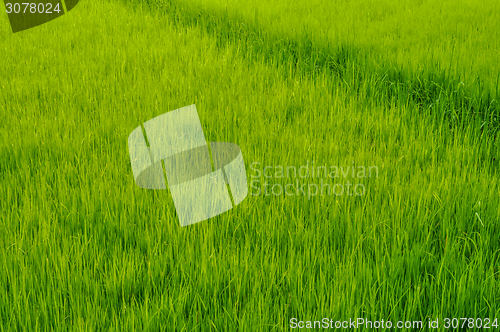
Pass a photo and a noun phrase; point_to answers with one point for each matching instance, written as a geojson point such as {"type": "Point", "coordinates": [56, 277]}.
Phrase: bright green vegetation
{"type": "Point", "coordinates": [459, 37]}
{"type": "Point", "coordinates": [83, 248]}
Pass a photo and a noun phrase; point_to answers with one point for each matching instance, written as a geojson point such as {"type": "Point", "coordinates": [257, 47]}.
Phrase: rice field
{"type": "Point", "coordinates": [395, 103]}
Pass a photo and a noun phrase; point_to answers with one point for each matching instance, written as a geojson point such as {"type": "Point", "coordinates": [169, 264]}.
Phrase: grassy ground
{"type": "Point", "coordinates": [83, 248]}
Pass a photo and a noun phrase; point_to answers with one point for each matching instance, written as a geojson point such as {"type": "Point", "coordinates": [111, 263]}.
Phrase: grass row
{"type": "Point", "coordinates": [442, 74]}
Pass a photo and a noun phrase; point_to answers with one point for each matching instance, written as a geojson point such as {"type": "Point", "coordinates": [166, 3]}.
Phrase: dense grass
{"type": "Point", "coordinates": [426, 53]}
{"type": "Point", "coordinates": [83, 248]}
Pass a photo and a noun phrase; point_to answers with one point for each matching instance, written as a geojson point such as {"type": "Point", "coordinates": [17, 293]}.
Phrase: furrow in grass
{"type": "Point", "coordinates": [434, 90]}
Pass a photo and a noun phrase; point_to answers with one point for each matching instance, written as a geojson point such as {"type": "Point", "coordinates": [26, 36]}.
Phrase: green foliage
{"type": "Point", "coordinates": [83, 248]}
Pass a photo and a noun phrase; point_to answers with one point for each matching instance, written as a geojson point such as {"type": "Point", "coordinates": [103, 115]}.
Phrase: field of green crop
{"type": "Point", "coordinates": [408, 87]}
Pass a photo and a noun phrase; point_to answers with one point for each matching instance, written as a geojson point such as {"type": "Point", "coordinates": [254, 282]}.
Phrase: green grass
{"type": "Point", "coordinates": [83, 248]}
